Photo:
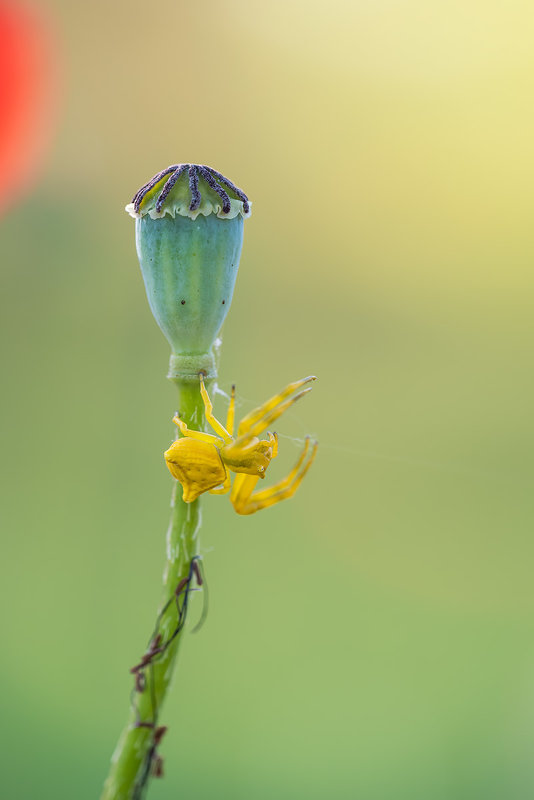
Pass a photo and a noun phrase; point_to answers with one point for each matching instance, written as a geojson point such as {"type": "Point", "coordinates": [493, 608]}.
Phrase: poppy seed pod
{"type": "Point", "coordinates": [189, 235]}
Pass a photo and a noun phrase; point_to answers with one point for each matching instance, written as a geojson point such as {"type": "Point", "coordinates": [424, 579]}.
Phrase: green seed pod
{"type": "Point", "coordinates": [189, 235]}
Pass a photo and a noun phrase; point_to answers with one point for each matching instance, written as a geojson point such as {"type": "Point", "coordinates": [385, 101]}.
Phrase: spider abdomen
{"type": "Point", "coordinates": [196, 465]}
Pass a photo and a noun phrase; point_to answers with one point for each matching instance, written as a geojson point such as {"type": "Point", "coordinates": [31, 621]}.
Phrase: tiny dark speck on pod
{"type": "Point", "coordinates": [183, 302]}
{"type": "Point", "coordinates": [223, 302]}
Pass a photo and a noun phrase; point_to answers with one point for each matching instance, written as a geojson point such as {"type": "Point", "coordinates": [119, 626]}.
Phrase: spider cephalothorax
{"type": "Point", "coordinates": [213, 178]}
{"type": "Point", "coordinates": [202, 462]}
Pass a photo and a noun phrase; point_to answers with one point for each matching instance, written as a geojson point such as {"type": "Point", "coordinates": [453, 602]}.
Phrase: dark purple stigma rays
{"type": "Point", "coordinates": [215, 180]}
{"type": "Point", "coordinates": [210, 180]}
{"type": "Point", "coordinates": [168, 186]}
{"type": "Point", "coordinates": [193, 188]}
{"type": "Point", "coordinates": [241, 195]}
{"type": "Point", "coordinates": [138, 196]}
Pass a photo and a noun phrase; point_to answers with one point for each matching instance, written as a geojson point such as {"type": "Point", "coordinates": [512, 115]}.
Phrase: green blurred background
{"type": "Point", "coordinates": [374, 637]}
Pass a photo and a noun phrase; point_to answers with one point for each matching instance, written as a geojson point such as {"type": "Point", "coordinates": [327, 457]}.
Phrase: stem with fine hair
{"type": "Point", "coordinates": [189, 234]}
{"type": "Point", "coordinates": [135, 757]}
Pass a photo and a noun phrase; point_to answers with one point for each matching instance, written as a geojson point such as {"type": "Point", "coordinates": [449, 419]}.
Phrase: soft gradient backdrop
{"type": "Point", "coordinates": [374, 637]}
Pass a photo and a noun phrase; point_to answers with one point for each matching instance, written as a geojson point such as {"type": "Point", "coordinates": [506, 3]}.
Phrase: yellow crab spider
{"type": "Point", "coordinates": [202, 462]}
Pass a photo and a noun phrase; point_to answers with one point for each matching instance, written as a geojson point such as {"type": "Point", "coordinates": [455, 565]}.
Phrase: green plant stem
{"type": "Point", "coordinates": [130, 763]}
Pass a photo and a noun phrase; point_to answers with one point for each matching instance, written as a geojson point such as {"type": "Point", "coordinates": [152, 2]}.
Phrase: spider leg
{"type": "Point", "coordinates": [260, 418]}
{"type": "Point", "coordinates": [208, 407]}
{"type": "Point", "coordinates": [202, 437]}
{"type": "Point", "coordinates": [246, 502]}
{"type": "Point", "coordinates": [225, 487]}
{"type": "Point", "coordinates": [242, 489]}
{"type": "Point", "coordinates": [230, 416]}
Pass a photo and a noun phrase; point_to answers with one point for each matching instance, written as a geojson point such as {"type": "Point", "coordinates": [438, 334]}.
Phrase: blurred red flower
{"type": "Point", "coordinates": [28, 96]}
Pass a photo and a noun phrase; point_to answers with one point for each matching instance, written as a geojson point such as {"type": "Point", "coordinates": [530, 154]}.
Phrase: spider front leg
{"type": "Point", "coordinates": [246, 501]}
{"type": "Point", "coordinates": [225, 486]}
{"type": "Point", "coordinates": [191, 434]}
{"type": "Point", "coordinates": [217, 426]}
{"type": "Point", "coordinates": [260, 418]}
{"type": "Point", "coordinates": [230, 417]}
{"type": "Point", "coordinates": [230, 429]}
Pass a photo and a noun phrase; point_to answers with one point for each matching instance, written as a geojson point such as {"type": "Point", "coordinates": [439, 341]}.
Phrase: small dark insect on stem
{"type": "Point", "coordinates": [157, 766]}
{"type": "Point", "coordinates": [140, 681]}
{"type": "Point", "coordinates": [153, 764]}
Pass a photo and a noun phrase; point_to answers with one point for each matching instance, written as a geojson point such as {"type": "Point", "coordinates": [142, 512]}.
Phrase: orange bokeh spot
{"type": "Point", "coordinates": [28, 96]}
